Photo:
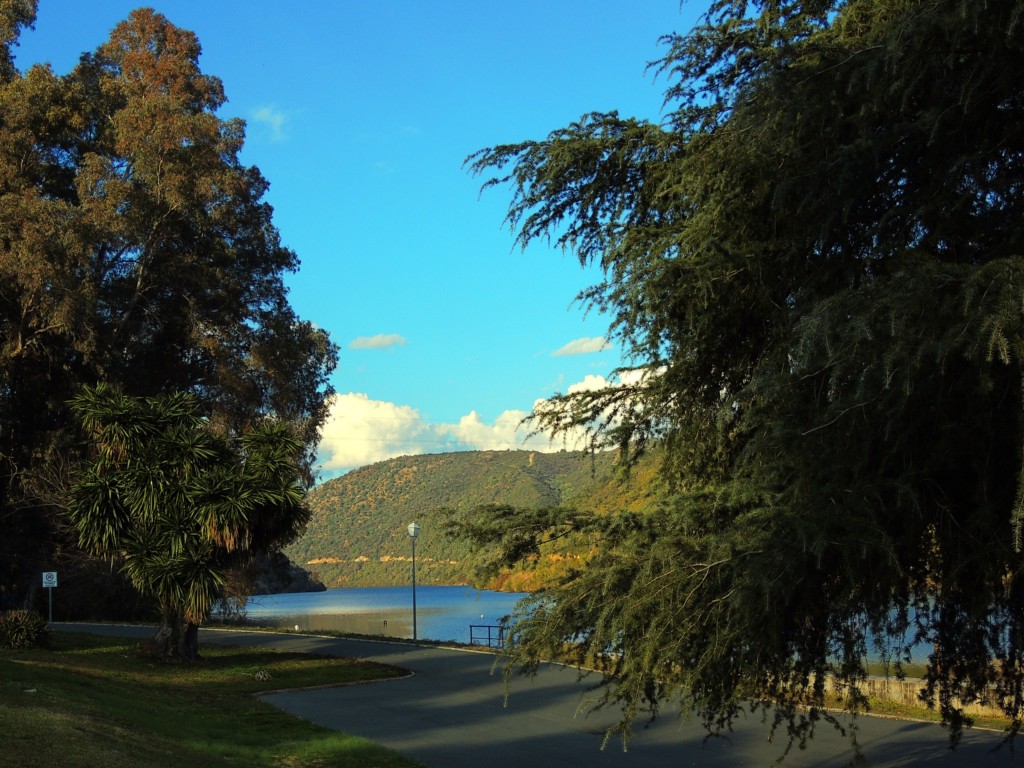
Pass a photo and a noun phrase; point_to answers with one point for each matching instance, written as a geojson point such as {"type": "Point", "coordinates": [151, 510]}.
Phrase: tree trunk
{"type": "Point", "coordinates": [165, 642]}
{"type": "Point", "coordinates": [189, 644]}
{"type": "Point", "coordinates": [175, 639]}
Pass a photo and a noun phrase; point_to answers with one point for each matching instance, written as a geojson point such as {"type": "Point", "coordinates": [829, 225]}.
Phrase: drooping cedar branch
{"type": "Point", "coordinates": [818, 262]}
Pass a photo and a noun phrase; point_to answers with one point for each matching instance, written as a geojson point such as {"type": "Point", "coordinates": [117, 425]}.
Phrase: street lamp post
{"type": "Point", "coordinates": [414, 531]}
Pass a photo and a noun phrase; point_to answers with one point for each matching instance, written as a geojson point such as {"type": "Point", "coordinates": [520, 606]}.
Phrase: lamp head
{"type": "Point", "coordinates": [414, 529]}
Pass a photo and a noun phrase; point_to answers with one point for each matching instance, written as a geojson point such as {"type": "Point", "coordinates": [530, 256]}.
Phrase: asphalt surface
{"type": "Point", "coordinates": [453, 712]}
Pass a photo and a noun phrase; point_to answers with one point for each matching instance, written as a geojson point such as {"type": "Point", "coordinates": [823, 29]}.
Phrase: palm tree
{"type": "Point", "coordinates": [176, 503]}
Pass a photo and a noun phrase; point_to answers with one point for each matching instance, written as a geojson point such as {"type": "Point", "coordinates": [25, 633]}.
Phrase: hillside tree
{"type": "Point", "coordinates": [136, 250]}
{"type": "Point", "coordinates": [816, 266]}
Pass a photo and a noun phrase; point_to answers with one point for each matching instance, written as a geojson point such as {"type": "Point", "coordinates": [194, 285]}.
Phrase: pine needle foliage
{"type": "Point", "coordinates": [817, 261]}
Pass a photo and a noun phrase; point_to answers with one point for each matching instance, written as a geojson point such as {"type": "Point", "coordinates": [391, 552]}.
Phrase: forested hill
{"type": "Point", "coordinates": [357, 534]}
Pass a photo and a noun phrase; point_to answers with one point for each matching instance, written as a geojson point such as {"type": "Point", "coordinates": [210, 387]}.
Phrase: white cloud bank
{"type": "Point", "coordinates": [585, 346]}
{"type": "Point", "coordinates": [361, 431]}
{"type": "Point", "coordinates": [380, 341]}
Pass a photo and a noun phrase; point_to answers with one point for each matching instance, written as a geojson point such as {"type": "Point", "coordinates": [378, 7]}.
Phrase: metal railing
{"type": "Point", "coordinates": [491, 635]}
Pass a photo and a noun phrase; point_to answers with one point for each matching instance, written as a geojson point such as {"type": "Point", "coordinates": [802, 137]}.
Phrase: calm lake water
{"type": "Point", "coordinates": [442, 613]}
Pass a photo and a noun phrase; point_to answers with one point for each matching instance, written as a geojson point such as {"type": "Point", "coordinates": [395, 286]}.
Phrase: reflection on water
{"type": "Point", "coordinates": [383, 623]}
{"type": "Point", "coordinates": [442, 613]}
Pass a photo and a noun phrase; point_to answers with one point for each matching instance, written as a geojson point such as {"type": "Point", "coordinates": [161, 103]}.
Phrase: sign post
{"type": "Point", "coordinates": [49, 582]}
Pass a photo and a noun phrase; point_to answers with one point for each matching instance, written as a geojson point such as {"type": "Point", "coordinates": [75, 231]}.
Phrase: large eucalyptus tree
{"type": "Point", "coordinates": [135, 249]}
{"type": "Point", "coordinates": [818, 263]}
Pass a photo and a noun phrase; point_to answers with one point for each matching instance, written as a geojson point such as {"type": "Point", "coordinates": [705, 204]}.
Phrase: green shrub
{"type": "Point", "coordinates": [22, 629]}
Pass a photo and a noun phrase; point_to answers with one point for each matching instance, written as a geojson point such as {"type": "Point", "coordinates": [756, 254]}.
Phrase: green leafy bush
{"type": "Point", "coordinates": [22, 629]}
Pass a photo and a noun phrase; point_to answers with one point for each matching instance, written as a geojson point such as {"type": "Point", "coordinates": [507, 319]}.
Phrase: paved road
{"type": "Point", "coordinates": [452, 713]}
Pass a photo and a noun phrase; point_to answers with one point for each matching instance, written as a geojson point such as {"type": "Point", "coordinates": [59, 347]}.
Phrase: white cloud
{"type": "Point", "coordinates": [361, 431]}
{"type": "Point", "coordinates": [507, 433]}
{"type": "Point", "coordinates": [274, 119]}
{"type": "Point", "coordinates": [472, 431]}
{"type": "Point", "coordinates": [628, 377]}
{"type": "Point", "coordinates": [380, 341]}
{"type": "Point", "coordinates": [591, 383]}
{"type": "Point", "coordinates": [585, 346]}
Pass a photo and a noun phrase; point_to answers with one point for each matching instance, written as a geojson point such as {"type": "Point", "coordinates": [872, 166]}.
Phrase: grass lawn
{"type": "Point", "coordinates": [97, 701]}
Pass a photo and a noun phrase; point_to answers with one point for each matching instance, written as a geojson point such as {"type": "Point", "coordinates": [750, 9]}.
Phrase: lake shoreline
{"type": "Point", "coordinates": [443, 613]}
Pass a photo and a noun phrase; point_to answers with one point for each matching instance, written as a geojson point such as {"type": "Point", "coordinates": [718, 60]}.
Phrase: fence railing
{"type": "Point", "coordinates": [491, 635]}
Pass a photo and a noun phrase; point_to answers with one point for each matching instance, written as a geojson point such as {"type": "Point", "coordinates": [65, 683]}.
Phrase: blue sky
{"type": "Point", "coordinates": [360, 113]}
